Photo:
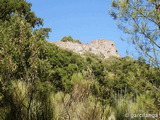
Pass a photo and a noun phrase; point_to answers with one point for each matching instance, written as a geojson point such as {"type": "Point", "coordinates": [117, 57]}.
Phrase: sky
{"type": "Point", "coordinates": [82, 19]}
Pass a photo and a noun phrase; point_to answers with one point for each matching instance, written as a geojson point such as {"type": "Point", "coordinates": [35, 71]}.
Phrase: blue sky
{"type": "Point", "coordinates": [82, 19]}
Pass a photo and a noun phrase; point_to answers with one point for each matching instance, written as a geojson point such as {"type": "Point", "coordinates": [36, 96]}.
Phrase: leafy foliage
{"type": "Point", "coordinates": [70, 39]}
{"type": "Point", "coordinates": [9, 7]}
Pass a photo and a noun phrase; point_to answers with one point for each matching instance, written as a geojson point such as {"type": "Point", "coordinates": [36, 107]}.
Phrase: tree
{"type": "Point", "coordinates": [22, 70]}
{"type": "Point", "coordinates": [140, 19]}
{"type": "Point", "coordinates": [9, 7]}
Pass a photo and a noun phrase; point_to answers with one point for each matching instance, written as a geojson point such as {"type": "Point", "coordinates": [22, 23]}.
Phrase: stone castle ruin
{"type": "Point", "coordinates": [102, 47]}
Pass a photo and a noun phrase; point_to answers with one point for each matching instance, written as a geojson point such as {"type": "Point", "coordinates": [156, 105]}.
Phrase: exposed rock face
{"type": "Point", "coordinates": [102, 47]}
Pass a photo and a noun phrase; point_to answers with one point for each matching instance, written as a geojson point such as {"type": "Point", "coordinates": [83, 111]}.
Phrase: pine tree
{"type": "Point", "coordinates": [140, 19]}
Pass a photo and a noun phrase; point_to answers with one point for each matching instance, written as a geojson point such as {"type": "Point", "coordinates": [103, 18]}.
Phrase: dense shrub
{"type": "Point", "coordinates": [70, 39]}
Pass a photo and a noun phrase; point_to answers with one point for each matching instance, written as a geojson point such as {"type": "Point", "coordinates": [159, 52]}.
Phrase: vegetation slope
{"type": "Point", "coordinates": [39, 81]}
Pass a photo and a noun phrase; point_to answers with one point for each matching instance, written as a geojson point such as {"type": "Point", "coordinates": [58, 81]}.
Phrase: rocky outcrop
{"type": "Point", "coordinates": [102, 47]}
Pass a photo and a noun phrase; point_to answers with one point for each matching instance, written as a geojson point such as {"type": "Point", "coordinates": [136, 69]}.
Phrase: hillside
{"type": "Point", "coordinates": [40, 80]}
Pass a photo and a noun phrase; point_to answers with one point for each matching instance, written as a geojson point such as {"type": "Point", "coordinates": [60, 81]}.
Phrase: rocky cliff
{"type": "Point", "coordinates": [102, 47]}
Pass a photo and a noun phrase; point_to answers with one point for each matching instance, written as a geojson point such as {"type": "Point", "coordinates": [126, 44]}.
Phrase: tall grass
{"type": "Point", "coordinates": [141, 104]}
{"type": "Point", "coordinates": [79, 104]}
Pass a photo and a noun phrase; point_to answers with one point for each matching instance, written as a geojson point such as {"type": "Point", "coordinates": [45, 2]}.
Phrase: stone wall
{"type": "Point", "coordinates": [102, 47]}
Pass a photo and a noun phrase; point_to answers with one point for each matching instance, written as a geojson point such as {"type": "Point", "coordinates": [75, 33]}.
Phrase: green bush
{"type": "Point", "coordinates": [70, 39]}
